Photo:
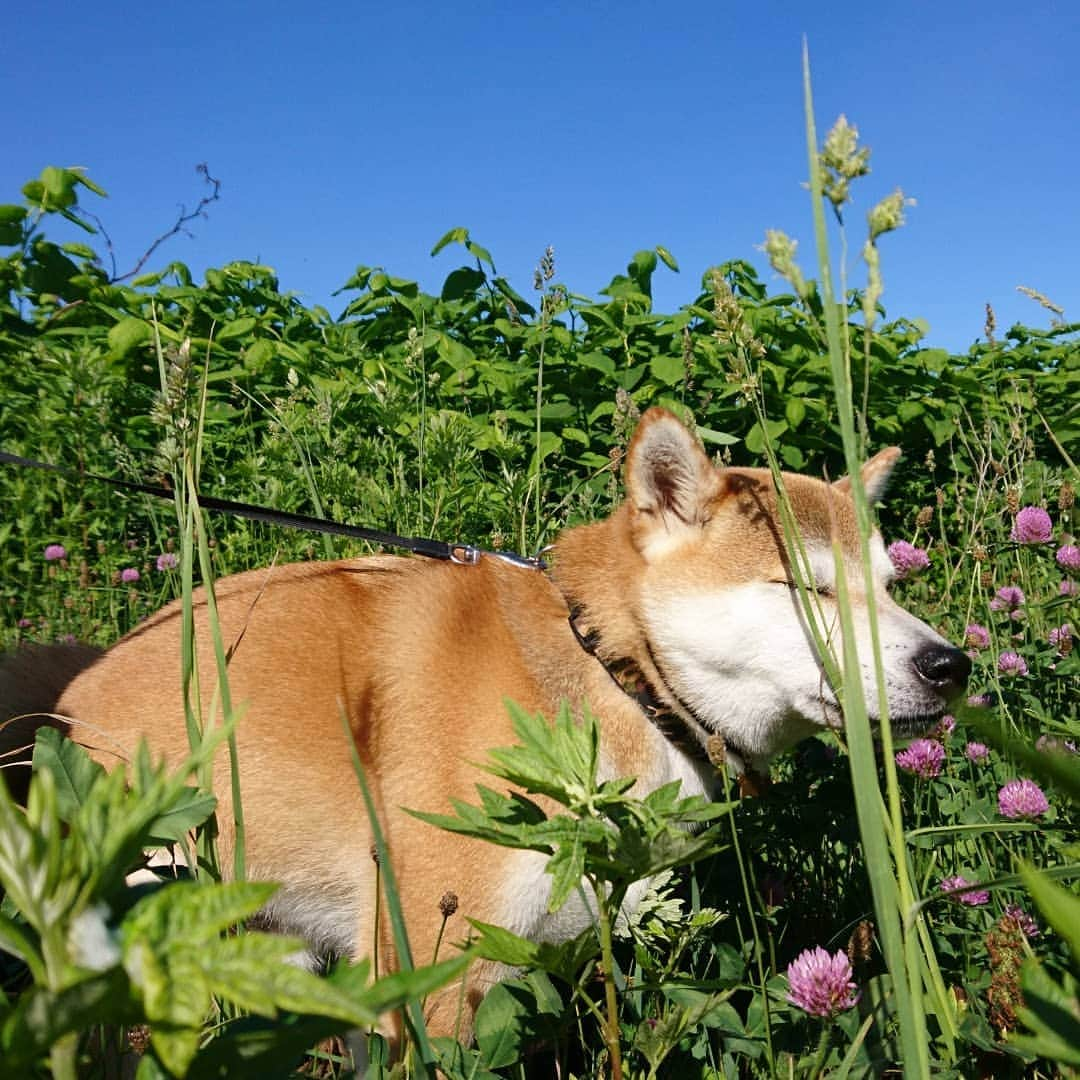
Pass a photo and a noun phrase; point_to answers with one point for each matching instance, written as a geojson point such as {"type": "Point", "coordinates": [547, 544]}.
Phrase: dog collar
{"type": "Point", "coordinates": [689, 736]}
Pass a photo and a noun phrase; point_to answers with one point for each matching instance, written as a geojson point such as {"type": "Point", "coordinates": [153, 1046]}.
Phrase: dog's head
{"type": "Point", "coordinates": [722, 616]}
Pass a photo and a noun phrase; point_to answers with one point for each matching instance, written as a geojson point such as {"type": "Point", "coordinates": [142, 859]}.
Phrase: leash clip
{"type": "Point", "coordinates": [464, 554]}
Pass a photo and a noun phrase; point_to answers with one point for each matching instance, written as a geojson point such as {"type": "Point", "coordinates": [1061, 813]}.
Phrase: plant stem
{"type": "Point", "coordinates": [607, 959]}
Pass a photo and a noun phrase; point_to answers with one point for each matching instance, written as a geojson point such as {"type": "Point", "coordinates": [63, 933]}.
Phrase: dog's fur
{"type": "Point", "coordinates": [688, 580]}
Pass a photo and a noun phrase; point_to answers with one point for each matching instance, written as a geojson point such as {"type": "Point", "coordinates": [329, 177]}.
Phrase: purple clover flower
{"type": "Point", "coordinates": [1060, 636]}
{"type": "Point", "coordinates": [907, 559]}
{"type": "Point", "coordinates": [980, 701]}
{"type": "Point", "coordinates": [1012, 663]}
{"type": "Point", "coordinates": [167, 560]}
{"type": "Point", "coordinates": [55, 552]}
{"type": "Point", "coordinates": [1022, 799]}
{"type": "Point", "coordinates": [924, 758]}
{"type": "Point", "coordinates": [945, 727]}
{"type": "Point", "coordinates": [129, 575]}
{"type": "Point", "coordinates": [1068, 588]}
{"type": "Point", "coordinates": [1032, 526]}
{"type": "Point", "coordinates": [1068, 557]}
{"type": "Point", "coordinates": [820, 984]}
{"type": "Point", "coordinates": [1028, 926]}
{"type": "Point", "coordinates": [1008, 598]}
{"type": "Point", "coordinates": [977, 753]}
{"type": "Point", "coordinates": [978, 637]}
{"type": "Point", "coordinates": [973, 898]}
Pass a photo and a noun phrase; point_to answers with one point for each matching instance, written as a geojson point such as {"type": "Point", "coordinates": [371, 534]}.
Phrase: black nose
{"type": "Point", "coordinates": [946, 669]}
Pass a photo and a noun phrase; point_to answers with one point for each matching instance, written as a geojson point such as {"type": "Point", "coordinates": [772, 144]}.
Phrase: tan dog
{"type": "Point", "coordinates": [687, 582]}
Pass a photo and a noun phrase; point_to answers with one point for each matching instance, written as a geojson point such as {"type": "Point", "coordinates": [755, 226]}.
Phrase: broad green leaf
{"type": "Point", "coordinates": [454, 236]}
{"type": "Point", "coordinates": [128, 334]}
{"type": "Point", "coordinates": [74, 771]}
{"type": "Point", "coordinates": [464, 281]}
{"type": "Point", "coordinates": [667, 258]}
{"type": "Point", "coordinates": [667, 369]}
{"type": "Point", "coordinates": [1060, 907]}
{"type": "Point", "coordinates": [502, 1026]}
{"type": "Point", "coordinates": [237, 328]}
{"type": "Point", "coordinates": [717, 438]}
{"type": "Point", "coordinates": [190, 809]}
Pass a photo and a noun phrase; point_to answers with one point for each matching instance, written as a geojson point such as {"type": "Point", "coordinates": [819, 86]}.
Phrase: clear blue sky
{"type": "Point", "coordinates": [359, 133]}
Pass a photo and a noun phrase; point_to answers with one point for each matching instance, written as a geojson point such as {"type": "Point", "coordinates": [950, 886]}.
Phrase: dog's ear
{"type": "Point", "coordinates": [875, 474]}
{"type": "Point", "coordinates": [670, 481]}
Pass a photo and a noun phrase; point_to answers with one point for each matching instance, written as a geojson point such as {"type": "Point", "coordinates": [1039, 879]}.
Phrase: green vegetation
{"type": "Point", "coordinates": [493, 417]}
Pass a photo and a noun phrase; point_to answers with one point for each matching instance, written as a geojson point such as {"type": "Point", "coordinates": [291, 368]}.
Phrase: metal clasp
{"type": "Point", "coordinates": [464, 554]}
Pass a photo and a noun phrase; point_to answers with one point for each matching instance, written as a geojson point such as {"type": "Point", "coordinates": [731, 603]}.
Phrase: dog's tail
{"type": "Point", "coordinates": [32, 679]}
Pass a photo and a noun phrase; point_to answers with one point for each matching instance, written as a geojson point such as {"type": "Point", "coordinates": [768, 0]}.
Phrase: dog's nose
{"type": "Point", "coordinates": [944, 667]}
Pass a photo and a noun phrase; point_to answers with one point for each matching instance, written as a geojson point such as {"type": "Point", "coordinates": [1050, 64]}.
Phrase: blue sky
{"type": "Point", "coordinates": [349, 134]}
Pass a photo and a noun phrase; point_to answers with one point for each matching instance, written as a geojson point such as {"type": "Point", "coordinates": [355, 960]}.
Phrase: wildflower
{"type": "Point", "coordinates": [977, 637]}
{"type": "Point", "coordinates": [1011, 663]}
{"type": "Point", "coordinates": [1061, 637]}
{"type": "Point", "coordinates": [979, 701]}
{"type": "Point", "coordinates": [1068, 557]}
{"type": "Point", "coordinates": [1032, 526]}
{"type": "Point", "coordinates": [820, 984]}
{"type": "Point", "coordinates": [167, 561]}
{"type": "Point", "coordinates": [1027, 924]}
{"type": "Point", "coordinates": [1068, 588]}
{"type": "Point", "coordinates": [945, 727]}
{"type": "Point", "coordinates": [448, 904]}
{"type": "Point", "coordinates": [907, 558]}
{"type": "Point", "coordinates": [129, 575]}
{"type": "Point", "coordinates": [55, 552]}
{"type": "Point", "coordinates": [1022, 799]}
{"type": "Point", "coordinates": [1008, 598]}
{"type": "Point", "coordinates": [924, 758]}
{"type": "Point", "coordinates": [888, 214]}
{"type": "Point", "coordinates": [972, 897]}
{"type": "Point", "coordinates": [25, 624]}
{"type": "Point", "coordinates": [977, 753]}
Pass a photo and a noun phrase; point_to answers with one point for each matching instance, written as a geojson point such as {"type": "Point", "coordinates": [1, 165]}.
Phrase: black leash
{"type": "Point", "coordinates": [464, 554]}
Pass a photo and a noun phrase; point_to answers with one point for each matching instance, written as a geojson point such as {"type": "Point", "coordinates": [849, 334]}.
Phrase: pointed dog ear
{"type": "Point", "coordinates": [669, 479]}
{"type": "Point", "coordinates": [875, 474]}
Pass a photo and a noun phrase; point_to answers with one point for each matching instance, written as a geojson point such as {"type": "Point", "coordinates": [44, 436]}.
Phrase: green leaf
{"type": "Point", "coordinates": [190, 809]}
{"type": "Point", "coordinates": [667, 258]}
{"type": "Point", "coordinates": [237, 328]}
{"type": "Point", "coordinates": [667, 369]}
{"type": "Point", "coordinates": [128, 334]}
{"type": "Point", "coordinates": [1060, 907]}
{"type": "Point", "coordinates": [454, 236]}
{"type": "Point", "coordinates": [464, 281]}
{"type": "Point", "coordinates": [502, 1026]}
{"type": "Point", "coordinates": [1051, 1012]}
{"type": "Point", "coordinates": [717, 438]}
{"type": "Point", "coordinates": [795, 411]}
{"type": "Point", "coordinates": [566, 867]}
{"type": "Point", "coordinates": [73, 770]}
{"type": "Point", "coordinates": [11, 224]}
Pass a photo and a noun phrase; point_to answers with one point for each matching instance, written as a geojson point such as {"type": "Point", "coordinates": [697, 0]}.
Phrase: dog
{"type": "Point", "coordinates": [686, 584]}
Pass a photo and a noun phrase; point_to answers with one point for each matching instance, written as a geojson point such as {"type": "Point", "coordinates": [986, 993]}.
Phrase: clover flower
{"type": "Point", "coordinates": [1061, 637]}
{"type": "Point", "coordinates": [167, 561]}
{"type": "Point", "coordinates": [1022, 799]}
{"type": "Point", "coordinates": [820, 984]}
{"type": "Point", "coordinates": [1068, 588]}
{"type": "Point", "coordinates": [1028, 926]}
{"type": "Point", "coordinates": [945, 727]}
{"type": "Point", "coordinates": [924, 758]}
{"type": "Point", "coordinates": [1007, 598]}
{"type": "Point", "coordinates": [1032, 526]}
{"type": "Point", "coordinates": [973, 897]}
{"type": "Point", "coordinates": [980, 701]}
{"type": "Point", "coordinates": [976, 636]}
{"type": "Point", "coordinates": [977, 753]}
{"type": "Point", "coordinates": [1011, 663]}
{"type": "Point", "coordinates": [129, 575]}
{"type": "Point", "coordinates": [1068, 557]}
{"type": "Point", "coordinates": [906, 558]}
{"type": "Point", "coordinates": [55, 552]}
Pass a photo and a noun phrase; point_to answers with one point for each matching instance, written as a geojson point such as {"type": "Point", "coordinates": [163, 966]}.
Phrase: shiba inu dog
{"type": "Point", "coordinates": [687, 584]}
